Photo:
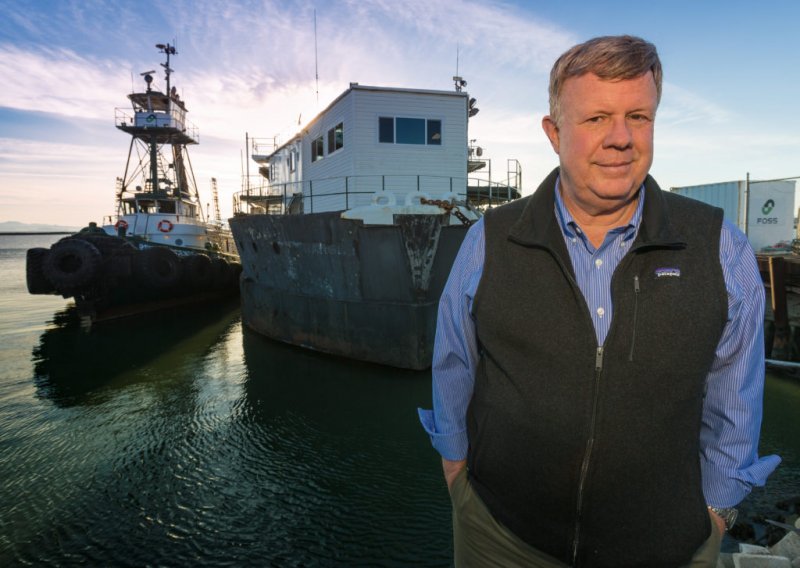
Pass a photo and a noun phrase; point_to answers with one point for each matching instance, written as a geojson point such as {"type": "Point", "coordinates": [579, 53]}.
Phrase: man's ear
{"type": "Point", "coordinates": [551, 130]}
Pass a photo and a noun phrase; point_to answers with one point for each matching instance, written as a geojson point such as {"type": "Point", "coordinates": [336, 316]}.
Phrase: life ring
{"type": "Point", "coordinates": [165, 226]}
{"type": "Point", "coordinates": [122, 223]}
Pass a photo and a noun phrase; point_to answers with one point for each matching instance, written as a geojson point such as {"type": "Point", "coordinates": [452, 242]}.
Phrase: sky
{"type": "Point", "coordinates": [731, 82]}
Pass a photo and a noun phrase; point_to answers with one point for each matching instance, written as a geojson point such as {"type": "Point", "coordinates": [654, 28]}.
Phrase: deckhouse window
{"type": "Point", "coordinates": [400, 130]}
{"type": "Point", "coordinates": [317, 149]}
{"type": "Point", "coordinates": [409, 131]}
{"type": "Point", "coordinates": [335, 138]}
{"type": "Point", "coordinates": [386, 129]}
{"type": "Point", "coordinates": [434, 132]}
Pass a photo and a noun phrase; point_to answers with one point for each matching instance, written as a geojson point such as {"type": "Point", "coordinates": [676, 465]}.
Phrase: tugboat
{"type": "Point", "coordinates": [158, 249]}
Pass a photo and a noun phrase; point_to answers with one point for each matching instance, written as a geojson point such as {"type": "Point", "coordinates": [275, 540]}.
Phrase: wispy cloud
{"type": "Point", "coordinates": [251, 66]}
{"type": "Point", "coordinates": [681, 105]}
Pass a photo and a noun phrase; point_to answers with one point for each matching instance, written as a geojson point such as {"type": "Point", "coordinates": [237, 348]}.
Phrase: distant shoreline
{"type": "Point", "coordinates": [6, 233]}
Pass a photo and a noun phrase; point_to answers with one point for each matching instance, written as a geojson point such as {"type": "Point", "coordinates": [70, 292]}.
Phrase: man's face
{"type": "Point", "coordinates": [604, 139]}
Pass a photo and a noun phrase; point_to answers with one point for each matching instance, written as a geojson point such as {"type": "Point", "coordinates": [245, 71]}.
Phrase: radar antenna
{"type": "Point", "coordinates": [169, 50]}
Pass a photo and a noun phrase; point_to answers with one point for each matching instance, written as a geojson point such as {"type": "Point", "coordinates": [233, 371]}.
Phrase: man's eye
{"type": "Point", "coordinates": [639, 117]}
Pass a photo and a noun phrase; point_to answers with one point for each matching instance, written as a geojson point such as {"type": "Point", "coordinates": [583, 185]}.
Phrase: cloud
{"type": "Point", "coordinates": [680, 105]}
{"type": "Point", "coordinates": [57, 182]}
{"type": "Point", "coordinates": [59, 81]}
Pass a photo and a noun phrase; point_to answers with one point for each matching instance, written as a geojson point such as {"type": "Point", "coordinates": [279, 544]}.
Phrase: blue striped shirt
{"type": "Point", "coordinates": [732, 408]}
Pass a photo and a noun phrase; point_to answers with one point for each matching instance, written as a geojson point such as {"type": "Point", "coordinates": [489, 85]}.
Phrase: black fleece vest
{"type": "Point", "coordinates": [592, 454]}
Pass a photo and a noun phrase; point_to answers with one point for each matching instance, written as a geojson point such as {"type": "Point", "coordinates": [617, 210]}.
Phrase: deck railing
{"type": "Point", "coordinates": [344, 192]}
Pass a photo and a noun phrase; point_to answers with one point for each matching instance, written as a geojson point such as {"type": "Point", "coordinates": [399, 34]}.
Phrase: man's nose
{"type": "Point", "coordinates": [619, 134]}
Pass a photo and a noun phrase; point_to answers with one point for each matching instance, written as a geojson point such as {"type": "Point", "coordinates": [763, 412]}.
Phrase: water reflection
{"type": "Point", "coordinates": [350, 463]}
{"type": "Point", "coordinates": [70, 363]}
{"type": "Point", "coordinates": [182, 439]}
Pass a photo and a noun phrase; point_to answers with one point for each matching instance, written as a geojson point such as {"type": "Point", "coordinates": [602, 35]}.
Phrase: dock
{"type": "Point", "coordinates": [780, 273]}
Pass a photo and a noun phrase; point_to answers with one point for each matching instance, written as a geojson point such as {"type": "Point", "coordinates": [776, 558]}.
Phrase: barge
{"type": "Point", "coordinates": [348, 238]}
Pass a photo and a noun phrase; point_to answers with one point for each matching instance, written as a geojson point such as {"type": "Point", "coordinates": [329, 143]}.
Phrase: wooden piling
{"type": "Point", "coordinates": [777, 281]}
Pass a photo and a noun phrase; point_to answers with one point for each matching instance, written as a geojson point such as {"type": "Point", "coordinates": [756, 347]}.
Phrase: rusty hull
{"type": "Point", "coordinates": [338, 286]}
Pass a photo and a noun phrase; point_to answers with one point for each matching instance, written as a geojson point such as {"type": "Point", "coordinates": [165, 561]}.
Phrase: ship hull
{"type": "Point", "coordinates": [341, 287]}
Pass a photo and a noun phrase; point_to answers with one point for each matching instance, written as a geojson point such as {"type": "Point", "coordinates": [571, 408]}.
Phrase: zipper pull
{"type": "Point", "coordinates": [598, 359]}
{"type": "Point", "coordinates": [635, 314]}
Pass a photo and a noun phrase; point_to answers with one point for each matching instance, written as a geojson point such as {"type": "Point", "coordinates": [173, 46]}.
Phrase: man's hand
{"type": "Point", "coordinates": [451, 469]}
{"type": "Point", "coordinates": [719, 521]}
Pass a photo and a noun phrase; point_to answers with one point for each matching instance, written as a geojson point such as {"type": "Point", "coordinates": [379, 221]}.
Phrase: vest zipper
{"type": "Point", "coordinates": [598, 367]}
{"type": "Point", "coordinates": [635, 314]}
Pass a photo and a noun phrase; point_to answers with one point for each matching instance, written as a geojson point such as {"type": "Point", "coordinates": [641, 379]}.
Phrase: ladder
{"type": "Point", "coordinates": [215, 197]}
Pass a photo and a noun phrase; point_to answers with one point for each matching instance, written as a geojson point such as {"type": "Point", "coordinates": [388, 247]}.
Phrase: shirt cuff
{"type": "Point", "coordinates": [452, 446]}
{"type": "Point", "coordinates": [724, 488]}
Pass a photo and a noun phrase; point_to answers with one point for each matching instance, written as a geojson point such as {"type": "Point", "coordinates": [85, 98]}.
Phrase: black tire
{"type": "Point", "coordinates": [72, 265]}
{"type": "Point", "coordinates": [118, 255]}
{"type": "Point", "coordinates": [221, 271]}
{"type": "Point", "coordinates": [158, 268]}
{"type": "Point", "coordinates": [197, 272]}
{"type": "Point", "coordinates": [34, 273]}
{"type": "Point", "coordinates": [236, 272]}
{"type": "Point", "coordinates": [108, 245]}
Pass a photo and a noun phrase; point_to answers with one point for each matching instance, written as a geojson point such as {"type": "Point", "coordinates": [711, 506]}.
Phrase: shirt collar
{"type": "Point", "coordinates": [569, 227]}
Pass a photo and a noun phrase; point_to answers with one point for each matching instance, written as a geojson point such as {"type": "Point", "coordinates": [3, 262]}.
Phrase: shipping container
{"type": "Point", "coordinates": [766, 216]}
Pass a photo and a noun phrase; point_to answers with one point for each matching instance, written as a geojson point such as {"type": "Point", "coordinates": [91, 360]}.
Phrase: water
{"type": "Point", "coordinates": [183, 439]}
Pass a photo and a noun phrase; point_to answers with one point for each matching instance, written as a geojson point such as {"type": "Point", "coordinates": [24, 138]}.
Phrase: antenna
{"type": "Point", "coordinates": [168, 50]}
{"type": "Point", "coordinates": [457, 49]}
{"type": "Point", "coordinates": [316, 64]}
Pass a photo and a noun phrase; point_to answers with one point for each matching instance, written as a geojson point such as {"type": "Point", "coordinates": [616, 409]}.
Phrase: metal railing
{"type": "Point", "coordinates": [123, 119]}
{"type": "Point", "coordinates": [344, 192]}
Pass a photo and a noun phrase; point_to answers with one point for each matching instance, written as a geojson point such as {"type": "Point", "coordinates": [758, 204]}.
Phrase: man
{"type": "Point", "coordinates": [598, 367]}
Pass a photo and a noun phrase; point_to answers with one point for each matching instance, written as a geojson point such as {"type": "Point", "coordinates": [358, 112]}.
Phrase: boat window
{"type": "Point", "coordinates": [386, 129]}
{"type": "Point", "coordinates": [401, 130]}
{"type": "Point", "coordinates": [317, 149]}
{"type": "Point", "coordinates": [290, 161]}
{"type": "Point", "coordinates": [166, 207]}
{"type": "Point", "coordinates": [410, 131]}
{"type": "Point", "coordinates": [435, 132]}
{"type": "Point", "coordinates": [336, 138]}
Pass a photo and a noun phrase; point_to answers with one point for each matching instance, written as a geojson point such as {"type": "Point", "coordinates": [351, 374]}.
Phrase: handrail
{"type": "Point", "coordinates": [275, 198]}
{"type": "Point", "coordinates": [122, 119]}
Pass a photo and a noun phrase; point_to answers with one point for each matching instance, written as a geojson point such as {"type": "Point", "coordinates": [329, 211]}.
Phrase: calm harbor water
{"type": "Point", "coordinates": [183, 439]}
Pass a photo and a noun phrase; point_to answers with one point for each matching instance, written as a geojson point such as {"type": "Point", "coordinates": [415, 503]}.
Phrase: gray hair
{"type": "Point", "coordinates": [612, 58]}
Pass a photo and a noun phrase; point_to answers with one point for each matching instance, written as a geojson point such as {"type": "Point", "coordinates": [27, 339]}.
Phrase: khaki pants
{"type": "Point", "coordinates": [479, 541]}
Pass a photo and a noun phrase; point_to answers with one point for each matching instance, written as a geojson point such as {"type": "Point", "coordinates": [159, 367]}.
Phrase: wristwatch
{"type": "Point", "coordinates": [728, 515]}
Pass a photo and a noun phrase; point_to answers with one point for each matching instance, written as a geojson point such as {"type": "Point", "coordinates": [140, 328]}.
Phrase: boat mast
{"type": "Point", "coordinates": [159, 120]}
{"type": "Point", "coordinates": [153, 141]}
{"type": "Point", "coordinates": [168, 50]}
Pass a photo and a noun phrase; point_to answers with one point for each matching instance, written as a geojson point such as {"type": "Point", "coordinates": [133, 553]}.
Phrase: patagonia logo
{"type": "Point", "coordinates": [668, 272]}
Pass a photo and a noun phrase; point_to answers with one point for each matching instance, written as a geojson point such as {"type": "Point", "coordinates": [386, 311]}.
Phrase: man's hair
{"type": "Point", "coordinates": [612, 58]}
